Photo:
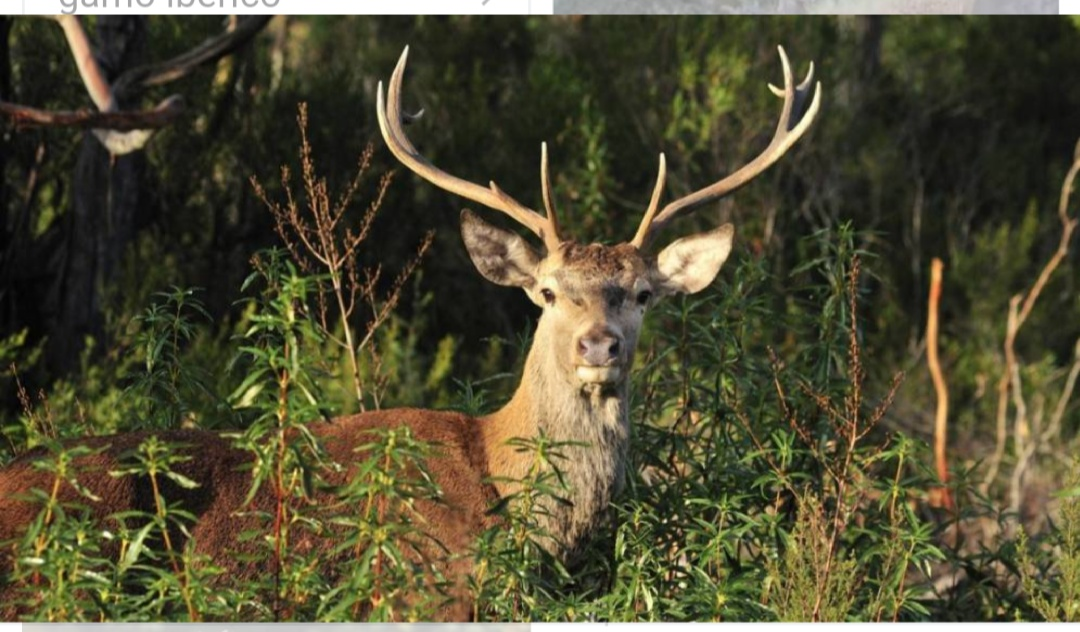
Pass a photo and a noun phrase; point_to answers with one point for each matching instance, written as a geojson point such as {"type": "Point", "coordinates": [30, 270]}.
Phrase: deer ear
{"type": "Point", "coordinates": [501, 256]}
{"type": "Point", "coordinates": [690, 264]}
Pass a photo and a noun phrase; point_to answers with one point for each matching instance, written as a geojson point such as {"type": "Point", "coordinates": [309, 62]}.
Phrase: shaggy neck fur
{"type": "Point", "coordinates": [550, 401]}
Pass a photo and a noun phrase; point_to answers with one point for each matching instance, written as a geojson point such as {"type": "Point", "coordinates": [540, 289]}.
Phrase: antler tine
{"type": "Point", "coordinates": [392, 127]}
{"type": "Point", "coordinates": [549, 200]}
{"type": "Point", "coordinates": [783, 138]}
{"type": "Point", "coordinates": [642, 234]}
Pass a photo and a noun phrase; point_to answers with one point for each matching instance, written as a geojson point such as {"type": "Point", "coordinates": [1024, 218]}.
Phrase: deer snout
{"type": "Point", "coordinates": [599, 347]}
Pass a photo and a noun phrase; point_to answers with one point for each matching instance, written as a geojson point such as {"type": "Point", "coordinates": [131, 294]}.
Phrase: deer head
{"type": "Point", "coordinates": [594, 296]}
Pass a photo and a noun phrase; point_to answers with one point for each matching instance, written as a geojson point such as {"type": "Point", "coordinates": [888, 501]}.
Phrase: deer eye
{"type": "Point", "coordinates": [643, 297]}
{"type": "Point", "coordinates": [548, 295]}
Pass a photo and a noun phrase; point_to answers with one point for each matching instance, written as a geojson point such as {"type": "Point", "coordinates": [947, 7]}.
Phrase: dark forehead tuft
{"type": "Point", "coordinates": [604, 260]}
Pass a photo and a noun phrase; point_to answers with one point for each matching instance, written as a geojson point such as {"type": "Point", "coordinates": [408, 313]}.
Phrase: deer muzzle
{"type": "Point", "coordinates": [600, 354]}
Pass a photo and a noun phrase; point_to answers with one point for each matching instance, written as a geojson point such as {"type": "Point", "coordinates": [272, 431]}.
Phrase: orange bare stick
{"type": "Point", "coordinates": [941, 496]}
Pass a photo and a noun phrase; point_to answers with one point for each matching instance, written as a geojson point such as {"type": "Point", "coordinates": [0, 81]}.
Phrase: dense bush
{"type": "Point", "coordinates": [764, 485]}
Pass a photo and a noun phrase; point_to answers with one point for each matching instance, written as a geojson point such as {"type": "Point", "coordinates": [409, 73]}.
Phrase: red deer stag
{"type": "Point", "coordinates": [574, 388]}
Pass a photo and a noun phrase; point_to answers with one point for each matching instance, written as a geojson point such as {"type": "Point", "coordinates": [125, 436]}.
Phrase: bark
{"type": "Point", "coordinates": [5, 57]}
{"type": "Point", "coordinates": [105, 207]}
{"type": "Point", "coordinates": [869, 29]}
{"type": "Point", "coordinates": [162, 115]}
{"type": "Point", "coordinates": [5, 149]}
{"type": "Point", "coordinates": [6, 213]}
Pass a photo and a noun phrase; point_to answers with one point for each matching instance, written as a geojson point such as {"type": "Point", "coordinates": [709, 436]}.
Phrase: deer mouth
{"type": "Point", "coordinates": [598, 374]}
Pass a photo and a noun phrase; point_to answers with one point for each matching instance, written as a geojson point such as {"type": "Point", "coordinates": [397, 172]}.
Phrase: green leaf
{"type": "Point", "coordinates": [181, 480]}
{"type": "Point", "coordinates": [131, 555]}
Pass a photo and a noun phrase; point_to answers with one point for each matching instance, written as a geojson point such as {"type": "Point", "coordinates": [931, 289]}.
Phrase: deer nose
{"type": "Point", "coordinates": [599, 347]}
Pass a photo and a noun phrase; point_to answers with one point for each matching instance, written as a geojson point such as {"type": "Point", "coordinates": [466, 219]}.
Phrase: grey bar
{"type": "Point", "coordinates": [664, 7]}
{"type": "Point", "coordinates": [823, 7]}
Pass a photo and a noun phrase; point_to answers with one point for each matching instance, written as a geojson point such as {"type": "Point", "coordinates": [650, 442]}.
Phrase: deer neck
{"type": "Point", "coordinates": [550, 402]}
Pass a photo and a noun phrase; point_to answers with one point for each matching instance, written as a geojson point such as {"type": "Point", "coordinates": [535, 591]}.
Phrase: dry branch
{"type": "Point", "coordinates": [1020, 307]}
{"type": "Point", "coordinates": [97, 86]}
{"type": "Point", "coordinates": [125, 132]}
{"type": "Point", "coordinates": [164, 114]}
{"type": "Point", "coordinates": [314, 231]}
{"type": "Point", "coordinates": [1054, 428]}
{"type": "Point", "coordinates": [184, 64]}
{"type": "Point", "coordinates": [939, 497]}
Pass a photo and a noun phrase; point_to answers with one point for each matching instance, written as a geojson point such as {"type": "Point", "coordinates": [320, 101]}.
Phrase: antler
{"type": "Point", "coordinates": [392, 125]}
{"type": "Point", "coordinates": [784, 137]}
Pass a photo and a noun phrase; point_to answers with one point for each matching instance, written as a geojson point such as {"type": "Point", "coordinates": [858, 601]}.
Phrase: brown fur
{"type": "Point", "coordinates": [224, 478]}
{"type": "Point", "coordinates": [599, 260]}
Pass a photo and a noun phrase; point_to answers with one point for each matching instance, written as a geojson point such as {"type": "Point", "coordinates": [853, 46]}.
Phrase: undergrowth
{"type": "Point", "coordinates": [766, 481]}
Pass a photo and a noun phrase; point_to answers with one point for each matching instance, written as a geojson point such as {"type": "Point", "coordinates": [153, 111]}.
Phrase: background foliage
{"type": "Point", "coordinates": [939, 137]}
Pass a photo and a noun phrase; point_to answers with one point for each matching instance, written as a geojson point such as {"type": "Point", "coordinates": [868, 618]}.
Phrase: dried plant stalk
{"type": "Point", "coordinates": [316, 236]}
{"type": "Point", "coordinates": [941, 496]}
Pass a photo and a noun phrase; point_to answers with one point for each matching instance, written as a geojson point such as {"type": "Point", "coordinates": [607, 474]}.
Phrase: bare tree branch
{"type": "Point", "coordinates": [184, 64]}
{"type": "Point", "coordinates": [1020, 307]}
{"type": "Point", "coordinates": [92, 75]}
{"type": "Point", "coordinates": [1054, 427]}
{"type": "Point", "coordinates": [163, 114]}
{"type": "Point", "coordinates": [125, 132]}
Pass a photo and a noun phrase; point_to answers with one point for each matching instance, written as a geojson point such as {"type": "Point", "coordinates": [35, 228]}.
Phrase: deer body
{"type": "Point", "coordinates": [574, 389]}
{"type": "Point", "coordinates": [223, 475]}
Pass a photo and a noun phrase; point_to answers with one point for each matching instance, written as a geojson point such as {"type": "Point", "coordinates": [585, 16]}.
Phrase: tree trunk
{"type": "Point", "coordinates": [5, 149]}
{"type": "Point", "coordinates": [870, 29]}
{"type": "Point", "coordinates": [106, 196]}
